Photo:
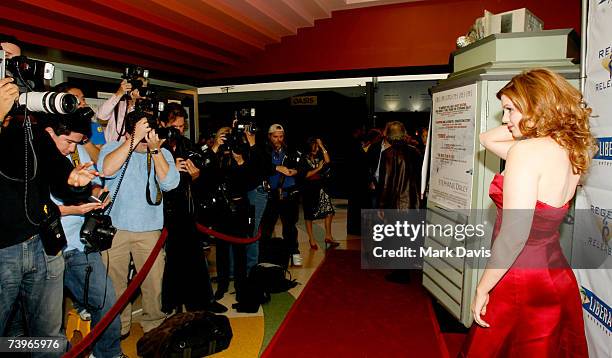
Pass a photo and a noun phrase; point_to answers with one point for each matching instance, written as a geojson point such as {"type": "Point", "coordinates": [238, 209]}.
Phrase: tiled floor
{"type": "Point", "coordinates": [252, 332]}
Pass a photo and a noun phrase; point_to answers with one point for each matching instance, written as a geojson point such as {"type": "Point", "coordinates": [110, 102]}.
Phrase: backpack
{"type": "Point", "coordinates": [187, 334]}
{"type": "Point", "coordinates": [264, 278]}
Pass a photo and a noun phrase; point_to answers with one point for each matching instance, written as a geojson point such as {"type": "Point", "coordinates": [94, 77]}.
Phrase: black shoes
{"type": "Point", "coordinates": [221, 290]}
{"type": "Point", "coordinates": [398, 276]}
{"type": "Point", "coordinates": [216, 307]}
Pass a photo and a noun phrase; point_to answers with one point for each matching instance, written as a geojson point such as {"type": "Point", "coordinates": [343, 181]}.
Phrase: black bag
{"type": "Point", "coordinates": [187, 334]}
{"type": "Point", "coordinates": [52, 233]}
{"type": "Point", "coordinates": [264, 278]}
{"type": "Point", "coordinates": [271, 278]}
{"type": "Point", "coordinates": [274, 250]}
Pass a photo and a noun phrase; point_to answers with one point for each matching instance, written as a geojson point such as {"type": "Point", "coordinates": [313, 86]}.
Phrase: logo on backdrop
{"type": "Point", "coordinates": [601, 2]}
{"type": "Point", "coordinates": [607, 64]}
{"type": "Point", "coordinates": [598, 309]}
{"type": "Point", "coordinates": [604, 55]}
{"type": "Point", "coordinates": [603, 158]}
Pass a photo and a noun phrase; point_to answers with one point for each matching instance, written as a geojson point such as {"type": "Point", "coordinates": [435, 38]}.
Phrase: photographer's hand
{"type": "Point", "coordinates": [124, 88]}
{"type": "Point", "coordinates": [81, 175]}
{"type": "Point", "coordinates": [181, 165]}
{"type": "Point", "coordinates": [161, 165]}
{"type": "Point", "coordinates": [141, 131]}
{"type": "Point", "coordinates": [192, 169]}
{"type": "Point", "coordinates": [79, 209]}
{"type": "Point", "coordinates": [9, 93]}
{"type": "Point", "coordinates": [153, 141]}
{"type": "Point", "coordinates": [286, 171]}
{"type": "Point", "coordinates": [250, 138]}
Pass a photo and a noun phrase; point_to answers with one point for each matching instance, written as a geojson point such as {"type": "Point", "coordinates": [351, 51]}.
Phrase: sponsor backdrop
{"type": "Point", "coordinates": [592, 234]}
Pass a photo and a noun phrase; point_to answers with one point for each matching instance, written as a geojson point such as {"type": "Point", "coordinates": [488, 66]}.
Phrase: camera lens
{"type": "Point", "coordinates": [49, 102]}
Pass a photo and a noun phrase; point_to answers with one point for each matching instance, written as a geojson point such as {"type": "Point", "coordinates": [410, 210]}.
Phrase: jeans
{"type": "Point", "coordinates": [29, 276]}
{"type": "Point", "coordinates": [258, 197]}
{"type": "Point", "coordinates": [288, 210]}
{"type": "Point", "coordinates": [100, 297]}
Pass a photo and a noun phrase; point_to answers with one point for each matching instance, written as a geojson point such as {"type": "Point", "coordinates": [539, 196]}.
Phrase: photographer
{"type": "Point", "coordinates": [85, 274]}
{"type": "Point", "coordinates": [137, 211]}
{"type": "Point", "coordinates": [185, 261]}
{"type": "Point", "coordinates": [260, 168]}
{"type": "Point", "coordinates": [284, 201]}
{"type": "Point", "coordinates": [115, 109]}
{"type": "Point", "coordinates": [31, 261]}
{"type": "Point", "coordinates": [92, 150]}
{"type": "Point", "coordinates": [225, 186]}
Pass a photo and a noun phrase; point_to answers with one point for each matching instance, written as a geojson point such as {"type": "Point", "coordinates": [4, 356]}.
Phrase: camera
{"type": "Point", "coordinates": [28, 74]}
{"type": "Point", "coordinates": [133, 75]}
{"type": "Point", "coordinates": [245, 121]}
{"type": "Point", "coordinates": [97, 232]}
{"type": "Point", "coordinates": [235, 142]}
{"type": "Point", "coordinates": [49, 102]}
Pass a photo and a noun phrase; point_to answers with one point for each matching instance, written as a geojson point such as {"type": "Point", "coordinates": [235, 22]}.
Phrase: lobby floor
{"type": "Point", "coordinates": [253, 332]}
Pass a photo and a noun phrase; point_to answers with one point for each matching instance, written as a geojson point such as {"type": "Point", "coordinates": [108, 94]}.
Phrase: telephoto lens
{"type": "Point", "coordinates": [49, 102]}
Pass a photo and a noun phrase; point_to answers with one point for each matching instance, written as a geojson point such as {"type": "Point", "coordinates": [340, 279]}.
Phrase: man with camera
{"type": "Point", "coordinates": [284, 199]}
{"type": "Point", "coordinates": [85, 274]}
{"type": "Point", "coordinates": [115, 109]}
{"type": "Point", "coordinates": [31, 261]}
{"type": "Point", "coordinates": [260, 168]}
{"type": "Point", "coordinates": [137, 170]}
{"type": "Point", "coordinates": [225, 204]}
{"type": "Point", "coordinates": [84, 111]}
{"type": "Point", "coordinates": [186, 278]}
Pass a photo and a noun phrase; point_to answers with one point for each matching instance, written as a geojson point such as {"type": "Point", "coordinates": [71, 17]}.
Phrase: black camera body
{"type": "Point", "coordinates": [235, 142]}
{"type": "Point", "coordinates": [28, 74]}
{"type": "Point", "coordinates": [97, 232]}
{"type": "Point", "coordinates": [133, 75]}
{"type": "Point", "coordinates": [150, 108]}
{"type": "Point", "coordinates": [292, 159]}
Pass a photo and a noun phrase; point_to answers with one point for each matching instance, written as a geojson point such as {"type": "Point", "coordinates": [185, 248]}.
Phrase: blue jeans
{"type": "Point", "coordinates": [77, 264]}
{"type": "Point", "coordinates": [29, 276]}
{"type": "Point", "coordinates": [258, 197]}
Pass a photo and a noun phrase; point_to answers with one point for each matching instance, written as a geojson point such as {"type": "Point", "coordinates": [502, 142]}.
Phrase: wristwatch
{"type": "Point", "coordinates": [154, 151]}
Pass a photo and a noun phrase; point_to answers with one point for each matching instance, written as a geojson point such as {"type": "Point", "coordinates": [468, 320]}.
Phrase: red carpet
{"type": "Point", "coordinates": [345, 311]}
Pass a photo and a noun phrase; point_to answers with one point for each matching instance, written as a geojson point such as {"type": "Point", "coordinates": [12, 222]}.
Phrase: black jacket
{"type": "Point", "coordinates": [52, 174]}
{"type": "Point", "coordinates": [400, 177]}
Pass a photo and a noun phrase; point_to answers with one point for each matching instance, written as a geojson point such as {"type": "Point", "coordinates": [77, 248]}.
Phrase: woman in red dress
{"type": "Point", "coordinates": [527, 303]}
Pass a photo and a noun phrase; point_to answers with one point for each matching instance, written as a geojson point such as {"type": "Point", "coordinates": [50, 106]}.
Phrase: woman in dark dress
{"type": "Point", "coordinates": [316, 200]}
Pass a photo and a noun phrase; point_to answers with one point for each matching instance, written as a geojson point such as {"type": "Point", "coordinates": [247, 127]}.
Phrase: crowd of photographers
{"type": "Point", "coordinates": [77, 215]}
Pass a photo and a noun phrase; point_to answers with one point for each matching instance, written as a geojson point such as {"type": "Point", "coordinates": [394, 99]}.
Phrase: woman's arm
{"type": "Point", "coordinates": [324, 151]}
{"type": "Point", "coordinates": [520, 197]}
{"type": "Point", "coordinates": [498, 140]}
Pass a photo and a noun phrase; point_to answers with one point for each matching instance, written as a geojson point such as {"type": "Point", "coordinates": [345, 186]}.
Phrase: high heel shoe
{"type": "Point", "coordinates": [313, 246]}
{"type": "Point", "coordinates": [331, 242]}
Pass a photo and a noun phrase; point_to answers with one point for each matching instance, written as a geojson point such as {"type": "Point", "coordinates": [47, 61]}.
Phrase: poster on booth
{"type": "Point", "coordinates": [593, 220]}
{"type": "Point", "coordinates": [452, 147]}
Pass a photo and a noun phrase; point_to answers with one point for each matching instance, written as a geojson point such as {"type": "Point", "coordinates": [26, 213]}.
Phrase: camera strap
{"type": "Point", "coordinates": [158, 195]}
{"type": "Point", "coordinates": [120, 131]}
{"type": "Point", "coordinates": [76, 160]}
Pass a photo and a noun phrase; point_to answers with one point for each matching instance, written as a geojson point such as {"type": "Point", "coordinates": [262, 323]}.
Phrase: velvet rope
{"type": "Point", "coordinates": [228, 238]}
{"type": "Point", "coordinates": [97, 330]}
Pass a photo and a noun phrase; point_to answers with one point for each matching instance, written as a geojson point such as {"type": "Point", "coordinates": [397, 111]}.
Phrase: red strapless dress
{"type": "Point", "coordinates": [535, 309]}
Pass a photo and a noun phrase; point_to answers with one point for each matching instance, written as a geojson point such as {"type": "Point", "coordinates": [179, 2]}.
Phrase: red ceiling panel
{"type": "Point", "coordinates": [193, 41]}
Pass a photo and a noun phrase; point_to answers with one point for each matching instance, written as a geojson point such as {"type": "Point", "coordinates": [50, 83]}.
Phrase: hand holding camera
{"type": "Point", "coordinates": [141, 130]}
{"type": "Point", "coordinates": [153, 141]}
{"type": "Point", "coordinates": [124, 88]}
{"type": "Point", "coordinates": [9, 93]}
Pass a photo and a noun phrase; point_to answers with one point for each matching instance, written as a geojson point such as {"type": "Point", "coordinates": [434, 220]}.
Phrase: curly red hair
{"type": "Point", "coordinates": [552, 107]}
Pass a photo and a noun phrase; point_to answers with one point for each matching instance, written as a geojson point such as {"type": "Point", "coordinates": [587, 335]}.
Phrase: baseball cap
{"type": "Point", "coordinates": [276, 127]}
